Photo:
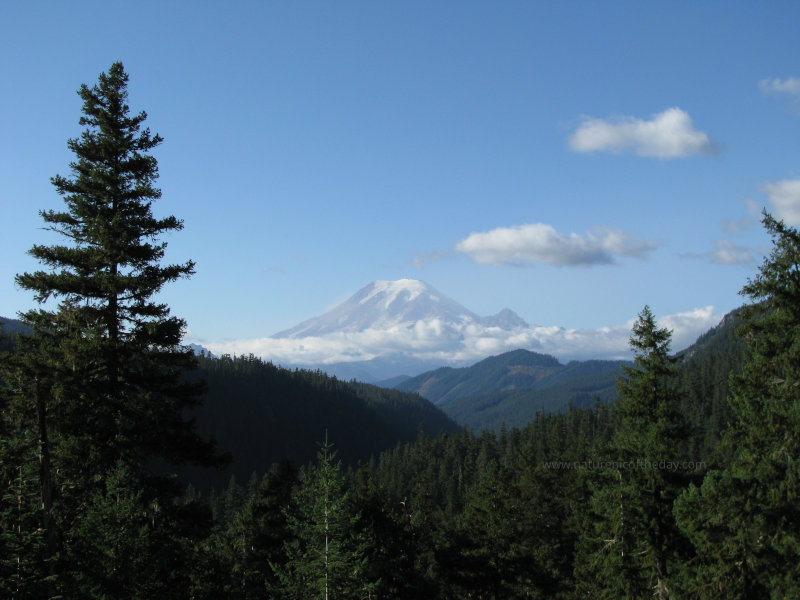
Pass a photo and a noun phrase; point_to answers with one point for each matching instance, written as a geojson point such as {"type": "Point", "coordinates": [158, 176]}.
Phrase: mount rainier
{"type": "Point", "coordinates": [393, 305]}
{"type": "Point", "coordinates": [397, 327]}
{"type": "Point", "coordinates": [406, 327]}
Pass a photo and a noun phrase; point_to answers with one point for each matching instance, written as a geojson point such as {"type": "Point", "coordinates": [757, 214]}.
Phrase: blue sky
{"type": "Point", "coordinates": [571, 161]}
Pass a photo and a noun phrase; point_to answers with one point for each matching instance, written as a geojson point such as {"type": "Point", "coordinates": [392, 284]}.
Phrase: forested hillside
{"type": "Point", "coordinates": [520, 368]}
{"type": "Point", "coordinates": [517, 407]}
{"type": "Point", "coordinates": [509, 389]}
{"type": "Point", "coordinates": [262, 414]}
{"type": "Point", "coordinates": [9, 328]}
{"type": "Point", "coordinates": [574, 504]}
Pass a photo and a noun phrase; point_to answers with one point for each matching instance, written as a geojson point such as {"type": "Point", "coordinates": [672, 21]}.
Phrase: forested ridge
{"type": "Point", "coordinates": [685, 486]}
{"type": "Point", "coordinates": [261, 414]}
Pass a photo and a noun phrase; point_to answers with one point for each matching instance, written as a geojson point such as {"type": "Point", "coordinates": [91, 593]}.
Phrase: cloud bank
{"type": "Point", "coordinates": [448, 343]}
{"type": "Point", "coordinates": [669, 134]}
{"type": "Point", "coordinates": [790, 85]}
{"type": "Point", "coordinates": [784, 197]}
{"type": "Point", "coordinates": [527, 245]}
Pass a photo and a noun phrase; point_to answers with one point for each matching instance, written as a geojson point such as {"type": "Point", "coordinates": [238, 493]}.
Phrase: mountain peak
{"type": "Point", "coordinates": [408, 289]}
{"type": "Point", "coordinates": [505, 319]}
{"type": "Point", "coordinates": [384, 305]}
{"type": "Point", "coordinates": [396, 305]}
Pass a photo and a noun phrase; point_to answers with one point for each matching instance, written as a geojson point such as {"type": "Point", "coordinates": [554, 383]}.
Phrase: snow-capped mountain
{"type": "Point", "coordinates": [406, 327]}
{"type": "Point", "coordinates": [388, 305]}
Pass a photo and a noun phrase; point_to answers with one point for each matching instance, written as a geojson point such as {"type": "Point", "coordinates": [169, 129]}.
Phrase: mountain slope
{"type": "Point", "coordinates": [261, 414]}
{"type": "Point", "coordinates": [511, 387]}
{"type": "Point", "coordinates": [391, 304]}
{"type": "Point", "coordinates": [9, 328]}
{"type": "Point", "coordinates": [517, 408]}
{"type": "Point", "coordinates": [516, 369]}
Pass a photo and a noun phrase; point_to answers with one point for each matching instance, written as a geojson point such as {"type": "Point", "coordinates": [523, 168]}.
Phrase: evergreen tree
{"type": "Point", "coordinates": [385, 529]}
{"type": "Point", "coordinates": [324, 559]}
{"type": "Point", "coordinates": [637, 542]}
{"type": "Point", "coordinates": [99, 383]}
{"type": "Point", "coordinates": [257, 534]}
{"type": "Point", "coordinates": [497, 542]}
{"type": "Point", "coordinates": [744, 519]}
{"type": "Point", "coordinates": [23, 555]}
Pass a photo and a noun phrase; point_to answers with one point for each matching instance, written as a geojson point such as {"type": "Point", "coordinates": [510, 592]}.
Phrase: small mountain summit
{"type": "Point", "coordinates": [401, 304]}
{"type": "Point", "coordinates": [505, 319]}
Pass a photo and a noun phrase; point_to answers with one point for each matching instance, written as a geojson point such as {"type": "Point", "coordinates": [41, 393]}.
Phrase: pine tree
{"type": "Point", "coordinates": [100, 381]}
{"type": "Point", "coordinates": [24, 572]}
{"type": "Point", "coordinates": [637, 542]}
{"type": "Point", "coordinates": [505, 548]}
{"type": "Point", "coordinates": [258, 531]}
{"type": "Point", "coordinates": [384, 527]}
{"type": "Point", "coordinates": [325, 559]}
{"type": "Point", "coordinates": [744, 519]}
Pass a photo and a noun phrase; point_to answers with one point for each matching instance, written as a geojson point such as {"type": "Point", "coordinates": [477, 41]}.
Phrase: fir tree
{"type": "Point", "coordinates": [325, 560]}
{"type": "Point", "coordinates": [501, 540]}
{"type": "Point", "coordinates": [637, 542]}
{"type": "Point", "coordinates": [744, 519]}
{"type": "Point", "coordinates": [258, 531]}
{"type": "Point", "coordinates": [24, 572]}
{"type": "Point", "coordinates": [99, 383]}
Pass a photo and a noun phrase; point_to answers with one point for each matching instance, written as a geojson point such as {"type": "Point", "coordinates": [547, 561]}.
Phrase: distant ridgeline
{"type": "Point", "coordinates": [9, 328]}
{"type": "Point", "coordinates": [511, 388]}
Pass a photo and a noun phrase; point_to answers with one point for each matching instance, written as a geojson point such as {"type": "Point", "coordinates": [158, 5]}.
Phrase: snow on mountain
{"type": "Point", "coordinates": [387, 305]}
{"type": "Point", "coordinates": [406, 327]}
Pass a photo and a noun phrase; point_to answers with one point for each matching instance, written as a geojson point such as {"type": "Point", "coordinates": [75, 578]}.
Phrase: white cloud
{"type": "Point", "coordinates": [525, 245]}
{"type": "Point", "coordinates": [464, 343]}
{"type": "Point", "coordinates": [669, 134]}
{"type": "Point", "coordinates": [784, 196]}
{"type": "Point", "coordinates": [688, 326]}
{"type": "Point", "coordinates": [790, 85]}
{"type": "Point", "coordinates": [727, 253]}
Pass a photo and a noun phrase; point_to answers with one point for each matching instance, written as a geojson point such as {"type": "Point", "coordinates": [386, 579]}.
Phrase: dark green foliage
{"type": "Point", "coordinates": [506, 542]}
{"type": "Point", "coordinates": [250, 545]}
{"type": "Point", "coordinates": [517, 407]}
{"type": "Point", "coordinates": [392, 549]}
{"type": "Point", "coordinates": [703, 382]}
{"type": "Point", "coordinates": [635, 546]}
{"type": "Point", "coordinates": [519, 368]}
{"type": "Point", "coordinates": [406, 413]}
{"type": "Point", "coordinates": [511, 388]}
{"type": "Point", "coordinates": [325, 556]}
{"type": "Point", "coordinates": [132, 542]}
{"type": "Point", "coordinates": [26, 569]}
{"type": "Point", "coordinates": [9, 329]}
{"type": "Point", "coordinates": [262, 414]}
{"type": "Point", "coordinates": [744, 519]}
{"type": "Point", "coordinates": [97, 384]}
